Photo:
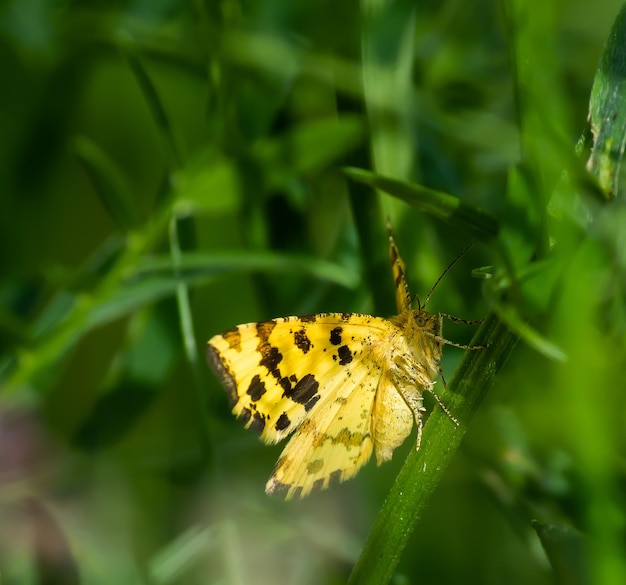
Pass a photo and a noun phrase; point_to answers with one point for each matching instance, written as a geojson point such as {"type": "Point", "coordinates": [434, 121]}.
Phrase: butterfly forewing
{"type": "Point", "coordinates": [277, 372]}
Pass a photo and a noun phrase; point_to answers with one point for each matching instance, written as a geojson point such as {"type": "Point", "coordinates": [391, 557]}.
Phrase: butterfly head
{"type": "Point", "coordinates": [425, 322]}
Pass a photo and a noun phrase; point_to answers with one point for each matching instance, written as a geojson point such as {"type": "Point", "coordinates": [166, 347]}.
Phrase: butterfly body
{"type": "Point", "coordinates": [344, 385]}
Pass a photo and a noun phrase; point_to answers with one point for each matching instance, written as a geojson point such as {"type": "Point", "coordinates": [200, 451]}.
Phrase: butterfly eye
{"type": "Point", "coordinates": [420, 321]}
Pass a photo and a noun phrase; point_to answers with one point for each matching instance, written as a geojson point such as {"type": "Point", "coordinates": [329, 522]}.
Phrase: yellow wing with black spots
{"type": "Point", "coordinates": [277, 372]}
{"type": "Point", "coordinates": [334, 442]}
{"type": "Point", "coordinates": [316, 376]}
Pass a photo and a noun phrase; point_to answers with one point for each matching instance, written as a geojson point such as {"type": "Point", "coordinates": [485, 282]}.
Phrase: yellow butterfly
{"type": "Point", "coordinates": [345, 384]}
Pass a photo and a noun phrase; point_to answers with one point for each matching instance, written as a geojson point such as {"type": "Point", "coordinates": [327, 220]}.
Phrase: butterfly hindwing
{"type": "Point", "coordinates": [336, 437]}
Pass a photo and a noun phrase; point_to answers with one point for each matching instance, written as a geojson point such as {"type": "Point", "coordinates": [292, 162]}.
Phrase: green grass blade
{"type": "Point", "coordinates": [452, 210]}
{"type": "Point", "coordinates": [157, 109]}
{"type": "Point", "coordinates": [567, 552]}
{"type": "Point", "coordinates": [157, 279]}
{"type": "Point", "coordinates": [196, 264]}
{"type": "Point", "coordinates": [31, 364]}
{"type": "Point", "coordinates": [109, 183]}
{"type": "Point", "coordinates": [607, 111]}
{"type": "Point", "coordinates": [388, 45]}
{"type": "Point", "coordinates": [171, 563]}
{"type": "Point", "coordinates": [509, 315]}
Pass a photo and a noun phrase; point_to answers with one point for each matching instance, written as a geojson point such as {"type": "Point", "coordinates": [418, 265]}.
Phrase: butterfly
{"type": "Point", "coordinates": [344, 385]}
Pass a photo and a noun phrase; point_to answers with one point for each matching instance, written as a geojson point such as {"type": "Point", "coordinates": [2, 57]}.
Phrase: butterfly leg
{"type": "Point", "coordinates": [443, 406]}
{"type": "Point", "coordinates": [420, 425]}
{"type": "Point", "coordinates": [443, 380]}
{"type": "Point", "coordinates": [459, 345]}
{"type": "Point", "coordinates": [464, 321]}
{"type": "Point", "coordinates": [441, 339]}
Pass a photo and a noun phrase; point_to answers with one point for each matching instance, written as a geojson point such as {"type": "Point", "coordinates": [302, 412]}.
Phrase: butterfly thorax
{"type": "Point", "coordinates": [414, 360]}
{"type": "Point", "coordinates": [421, 331]}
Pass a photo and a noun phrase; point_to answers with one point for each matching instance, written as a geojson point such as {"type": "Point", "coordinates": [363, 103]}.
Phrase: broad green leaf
{"type": "Point", "coordinates": [607, 111]}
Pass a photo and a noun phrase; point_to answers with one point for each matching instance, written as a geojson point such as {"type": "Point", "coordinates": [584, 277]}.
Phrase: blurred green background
{"type": "Point", "coordinates": [170, 169]}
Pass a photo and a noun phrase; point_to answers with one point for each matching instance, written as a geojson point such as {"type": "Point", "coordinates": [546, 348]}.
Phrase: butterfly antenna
{"type": "Point", "coordinates": [430, 292]}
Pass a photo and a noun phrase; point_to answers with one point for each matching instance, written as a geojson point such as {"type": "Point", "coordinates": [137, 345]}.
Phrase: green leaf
{"type": "Point", "coordinates": [607, 110]}
{"type": "Point", "coordinates": [388, 85]}
{"type": "Point", "coordinates": [206, 186]}
{"type": "Point", "coordinates": [452, 210]}
{"type": "Point", "coordinates": [194, 264]}
{"type": "Point", "coordinates": [157, 109]}
{"type": "Point", "coordinates": [156, 279]}
{"type": "Point", "coordinates": [189, 548]}
{"type": "Point", "coordinates": [567, 552]}
{"type": "Point", "coordinates": [530, 335]}
{"type": "Point", "coordinates": [309, 147]}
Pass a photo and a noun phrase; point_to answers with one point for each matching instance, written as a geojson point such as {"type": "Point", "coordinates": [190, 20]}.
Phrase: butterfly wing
{"type": "Point", "coordinates": [316, 374]}
{"type": "Point", "coordinates": [334, 442]}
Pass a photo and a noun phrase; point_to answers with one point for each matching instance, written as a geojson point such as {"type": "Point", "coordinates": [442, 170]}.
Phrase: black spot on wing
{"type": "Point", "coordinates": [271, 357]}
{"type": "Point", "coordinates": [264, 330]}
{"type": "Point", "coordinates": [335, 335]}
{"type": "Point", "coordinates": [257, 422]}
{"type": "Point", "coordinates": [277, 488]}
{"type": "Point", "coordinates": [302, 341]}
{"type": "Point", "coordinates": [285, 383]}
{"type": "Point", "coordinates": [334, 478]}
{"type": "Point", "coordinates": [345, 355]}
{"type": "Point", "coordinates": [283, 422]}
{"type": "Point", "coordinates": [256, 388]}
{"type": "Point", "coordinates": [311, 403]}
{"type": "Point", "coordinates": [223, 372]}
{"type": "Point", "coordinates": [308, 318]}
{"type": "Point", "coordinates": [305, 391]}
{"type": "Point", "coordinates": [252, 419]}
{"type": "Point", "coordinates": [245, 416]}
{"type": "Point", "coordinates": [233, 338]}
